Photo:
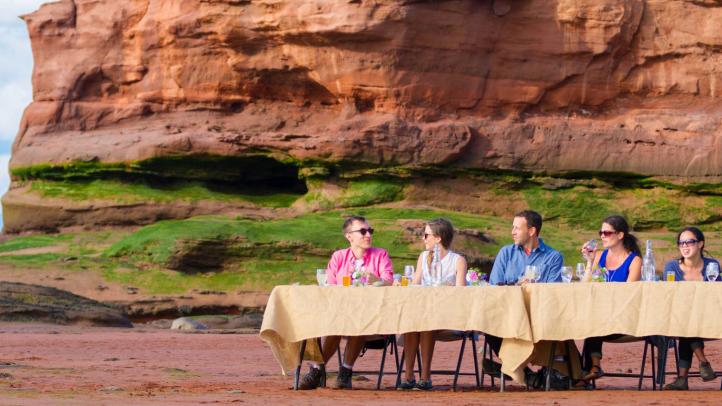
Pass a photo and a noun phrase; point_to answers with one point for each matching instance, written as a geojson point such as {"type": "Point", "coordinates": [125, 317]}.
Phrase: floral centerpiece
{"type": "Point", "coordinates": [599, 274]}
{"type": "Point", "coordinates": [474, 277]}
{"type": "Point", "coordinates": [359, 278]}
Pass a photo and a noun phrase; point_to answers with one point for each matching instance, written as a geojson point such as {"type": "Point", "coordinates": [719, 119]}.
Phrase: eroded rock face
{"type": "Point", "coordinates": [35, 303]}
{"type": "Point", "coordinates": [610, 85]}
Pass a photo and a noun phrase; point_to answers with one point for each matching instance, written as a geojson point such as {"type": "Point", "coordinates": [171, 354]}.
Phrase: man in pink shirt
{"type": "Point", "coordinates": [375, 265]}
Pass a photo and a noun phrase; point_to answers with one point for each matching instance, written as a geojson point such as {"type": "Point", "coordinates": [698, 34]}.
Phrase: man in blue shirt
{"type": "Point", "coordinates": [511, 262]}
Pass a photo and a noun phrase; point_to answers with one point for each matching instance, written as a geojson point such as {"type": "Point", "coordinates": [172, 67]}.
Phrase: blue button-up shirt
{"type": "Point", "coordinates": [511, 261]}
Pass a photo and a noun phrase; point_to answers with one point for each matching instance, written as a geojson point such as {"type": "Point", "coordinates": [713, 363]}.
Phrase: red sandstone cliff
{"type": "Point", "coordinates": [613, 85]}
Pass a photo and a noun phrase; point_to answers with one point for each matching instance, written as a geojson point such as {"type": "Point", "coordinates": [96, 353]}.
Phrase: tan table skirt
{"type": "Point", "coordinates": [296, 313]}
{"type": "Point", "coordinates": [526, 317]}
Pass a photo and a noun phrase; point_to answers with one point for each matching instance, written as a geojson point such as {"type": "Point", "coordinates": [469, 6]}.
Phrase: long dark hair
{"type": "Point", "coordinates": [697, 234]}
{"type": "Point", "coordinates": [443, 229]}
{"type": "Point", "coordinates": [620, 225]}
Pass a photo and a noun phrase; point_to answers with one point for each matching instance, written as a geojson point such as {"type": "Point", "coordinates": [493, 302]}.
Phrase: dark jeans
{"type": "Point", "coordinates": [494, 343]}
{"type": "Point", "coordinates": [593, 348]}
{"type": "Point", "coordinates": [686, 350]}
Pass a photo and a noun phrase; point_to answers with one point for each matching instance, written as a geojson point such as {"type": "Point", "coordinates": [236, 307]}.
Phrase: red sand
{"type": "Point", "coordinates": [73, 365]}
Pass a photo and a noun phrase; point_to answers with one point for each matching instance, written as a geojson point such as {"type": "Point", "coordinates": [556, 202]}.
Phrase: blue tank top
{"type": "Point", "coordinates": [620, 274]}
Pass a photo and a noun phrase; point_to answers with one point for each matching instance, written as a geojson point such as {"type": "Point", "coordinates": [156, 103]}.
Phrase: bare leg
{"type": "Point", "coordinates": [427, 353]}
{"type": "Point", "coordinates": [330, 345]}
{"type": "Point", "coordinates": [353, 349]}
{"type": "Point", "coordinates": [411, 346]}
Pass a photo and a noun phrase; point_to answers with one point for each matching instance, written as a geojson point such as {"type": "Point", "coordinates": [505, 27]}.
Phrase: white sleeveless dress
{"type": "Point", "coordinates": [448, 269]}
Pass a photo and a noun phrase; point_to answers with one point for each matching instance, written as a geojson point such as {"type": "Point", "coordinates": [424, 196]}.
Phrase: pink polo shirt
{"type": "Point", "coordinates": [376, 262]}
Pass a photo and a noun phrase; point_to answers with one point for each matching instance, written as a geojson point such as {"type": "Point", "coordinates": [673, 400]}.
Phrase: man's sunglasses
{"type": "Point", "coordinates": [363, 231]}
{"type": "Point", "coordinates": [605, 233]}
{"type": "Point", "coordinates": [687, 243]}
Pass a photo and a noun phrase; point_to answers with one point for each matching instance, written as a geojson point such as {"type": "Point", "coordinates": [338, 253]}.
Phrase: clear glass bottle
{"type": "Point", "coordinates": [648, 268]}
{"type": "Point", "coordinates": [436, 271]}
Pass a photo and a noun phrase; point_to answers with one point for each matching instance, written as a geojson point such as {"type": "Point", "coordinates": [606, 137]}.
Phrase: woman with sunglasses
{"type": "Point", "coordinates": [621, 257]}
{"type": "Point", "coordinates": [438, 233]}
{"type": "Point", "coordinates": [690, 266]}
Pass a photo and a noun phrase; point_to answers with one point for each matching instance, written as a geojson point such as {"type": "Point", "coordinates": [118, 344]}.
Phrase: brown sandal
{"type": "Point", "coordinates": [596, 373]}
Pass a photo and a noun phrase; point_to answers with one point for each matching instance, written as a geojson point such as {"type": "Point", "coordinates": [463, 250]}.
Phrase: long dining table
{"type": "Point", "coordinates": [526, 317]}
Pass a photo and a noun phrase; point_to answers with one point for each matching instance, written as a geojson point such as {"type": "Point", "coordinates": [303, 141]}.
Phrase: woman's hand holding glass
{"type": "Point", "coordinates": [589, 250]}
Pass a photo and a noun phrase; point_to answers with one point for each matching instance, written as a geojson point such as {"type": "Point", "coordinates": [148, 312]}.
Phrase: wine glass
{"type": "Point", "coordinates": [567, 274]}
{"type": "Point", "coordinates": [531, 273]}
{"type": "Point", "coordinates": [712, 271]}
{"type": "Point", "coordinates": [321, 277]}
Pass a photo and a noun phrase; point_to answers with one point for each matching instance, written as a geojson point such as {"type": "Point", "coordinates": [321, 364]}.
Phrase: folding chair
{"type": "Point", "coordinates": [385, 343]}
{"type": "Point", "coordinates": [672, 342]}
{"type": "Point", "coordinates": [649, 343]}
{"type": "Point", "coordinates": [448, 336]}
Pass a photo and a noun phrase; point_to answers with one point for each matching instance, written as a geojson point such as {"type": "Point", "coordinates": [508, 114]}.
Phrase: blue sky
{"type": "Point", "coordinates": [16, 68]}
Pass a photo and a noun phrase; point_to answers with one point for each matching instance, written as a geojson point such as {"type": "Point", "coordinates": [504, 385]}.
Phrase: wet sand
{"type": "Point", "coordinates": [45, 364]}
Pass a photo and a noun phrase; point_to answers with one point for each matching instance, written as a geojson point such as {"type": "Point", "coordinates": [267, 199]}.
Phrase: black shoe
{"type": "Point", "coordinates": [679, 384]}
{"type": "Point", "coordinates": [407, 385]}
{"type": "Point", "coordinates": [491, 368]}
{"type": "Point", "coordinates": [311, 380]}
{"type": "Point", "coordinates": [343, 380]}
{"type": "Point", "coordinates": [706, 371]}
{"type": "Point", "coordinates": [424, 385]}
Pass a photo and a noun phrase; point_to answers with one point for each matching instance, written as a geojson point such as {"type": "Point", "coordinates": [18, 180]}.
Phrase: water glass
{"type": "Point", "coordinates": [589, 248]}
{"type": "Point", "coordinates": [397, 279]}
{"type": "Point", "coordinates": [581, 269]}
{"type": "Point", "coordinates": [408, 275]}
{"type": "Point", "coordinates": [567, 274]}
{"type": "Point", "coordinates": [321, 277]}
{"type": "Point", "coordinates": [712, 271]}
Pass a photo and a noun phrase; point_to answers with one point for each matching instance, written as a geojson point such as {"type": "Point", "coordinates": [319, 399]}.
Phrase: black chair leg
{"type": "Point", "coordinates": [458, 363]}
{"type": "Point", "coordinates": [483, 357]}
{"type": "Point", "coordinates": [383, 362]}
{"type": "Point", "coordinates": [396, 355]}
{"type": "Point", "coordinates": [568, 356]}
{"type": "Point", "coordinates": [644, 362]}
{"type": "Point", "coordinates": [399, 369]}
{"type": "Point", "coordinates": [298, 368]}
{"type": "Point", "coordinates": [660, 371]}
{"type": "Point", "coordinates": [476, 361]}
{"type": "Point", "coordinates": [552, 351]}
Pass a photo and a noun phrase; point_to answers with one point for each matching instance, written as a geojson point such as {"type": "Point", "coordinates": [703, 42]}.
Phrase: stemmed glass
{"type": "Point", "coordinates": [712, 271]}
{"type": "Point", "coordinates": [567, 274]}
{"type": "Point", "coordinates": [531, 273]}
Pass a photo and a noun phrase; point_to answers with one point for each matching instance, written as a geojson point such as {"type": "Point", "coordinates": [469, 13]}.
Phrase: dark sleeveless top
{"type": "Point", "coordinates": [620, 274]}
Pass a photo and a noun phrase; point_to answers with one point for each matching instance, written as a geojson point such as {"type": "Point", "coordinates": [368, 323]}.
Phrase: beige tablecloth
{"type": "Point", "coordinates": [579, 310]}
{"type": "Point", "coordinates": [295, 313]}
{"type": "Point", "coordinates": [528, 317]}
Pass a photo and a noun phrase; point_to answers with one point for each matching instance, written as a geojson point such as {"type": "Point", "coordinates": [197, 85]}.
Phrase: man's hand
{"type": "Point", "coordinates": [372, 279]}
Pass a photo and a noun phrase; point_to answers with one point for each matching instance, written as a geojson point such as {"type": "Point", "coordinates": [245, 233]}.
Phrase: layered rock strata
{"type": "Point", "coordinates": [540, 85]}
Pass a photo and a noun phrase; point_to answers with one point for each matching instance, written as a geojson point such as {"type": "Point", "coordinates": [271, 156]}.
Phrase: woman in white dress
{"type": "Point", "coordinates": [438, 234]}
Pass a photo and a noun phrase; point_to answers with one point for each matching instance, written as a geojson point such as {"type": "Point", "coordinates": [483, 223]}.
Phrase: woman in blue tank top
{"type": "Point", "coordinates": [621, 258]}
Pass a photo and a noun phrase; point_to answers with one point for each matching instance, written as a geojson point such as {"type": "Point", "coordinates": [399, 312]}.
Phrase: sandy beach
{"type": "Point", "coordinates": [46, 364]}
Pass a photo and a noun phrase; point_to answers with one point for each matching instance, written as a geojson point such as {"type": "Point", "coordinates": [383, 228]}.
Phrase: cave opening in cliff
{"type": "Point", "coordinates": [252, 175]}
